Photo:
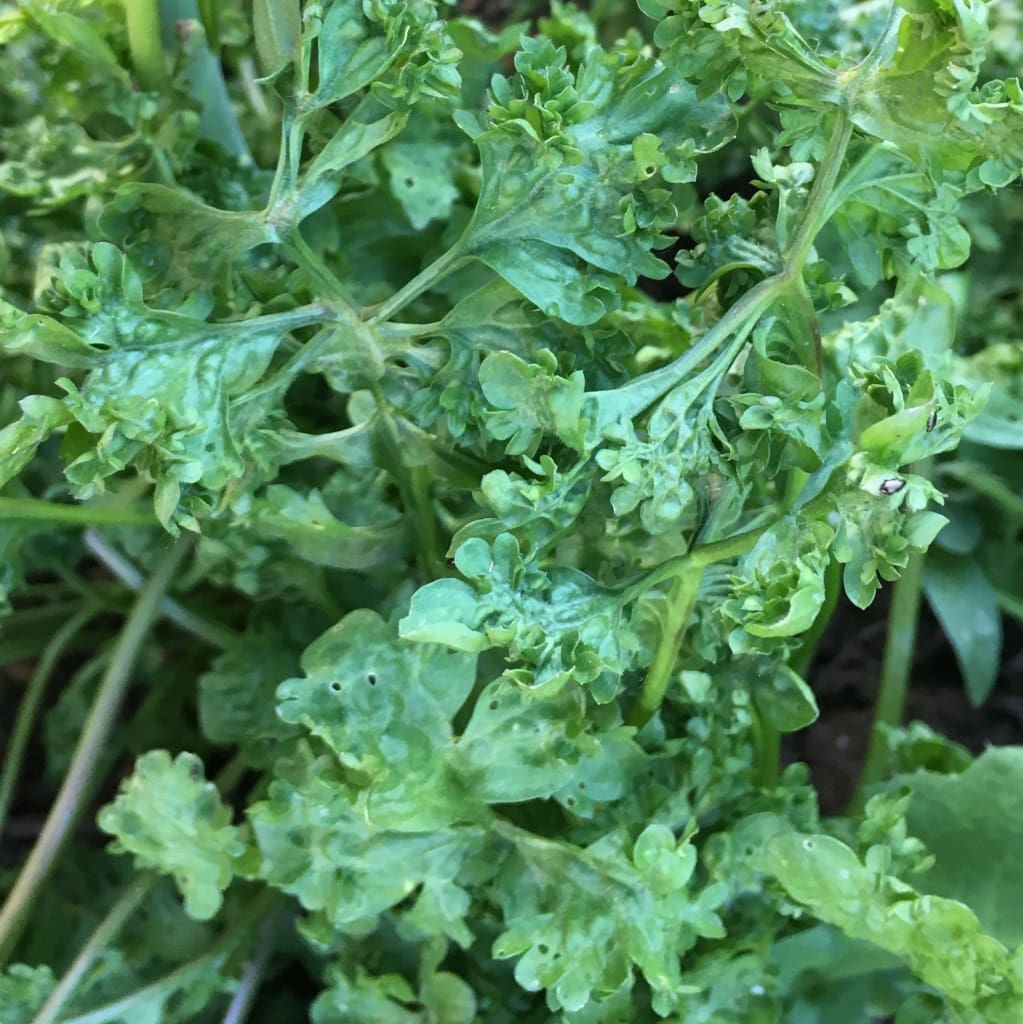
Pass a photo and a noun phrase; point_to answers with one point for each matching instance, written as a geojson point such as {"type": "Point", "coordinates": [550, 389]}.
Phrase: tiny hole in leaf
{"type": "Point", "coordinates": [409, 183]}
{"type": "Point", "coordinates": [543, 949]}
{"type": "Point", "coordinates": [335, 686]}
{"type": "Point", "coordinates": [371, 678]}
{"type": "Point", "coordinates": [492, 705]}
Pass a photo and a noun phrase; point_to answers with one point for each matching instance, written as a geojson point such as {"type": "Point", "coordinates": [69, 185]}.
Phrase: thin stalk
{"type": "Point", "coordinates": [213, 633]}
{"type": "Point", "coordinates": [163, 988]}
{"type": "Point", "coordinates": [14, 756]}
{"type": "Point", "coordinates": [245, 995]}
{"type": "Point", "coordinates": [681, 600]}
{"type": "Point", "coordinates": [142, 18]}
{"type": "Point", "coordinates": [903, 617]}
{"type": "Point", "coordinates": [440, 268]}
{"type": "Point", "coordinates": [108, 929]}
{"type": "Point", "coordinates": [325, 278]}
{"type": "Point", "coordinates": [98, 725]}
{"type": "Point", "coordinates": [76, 515]}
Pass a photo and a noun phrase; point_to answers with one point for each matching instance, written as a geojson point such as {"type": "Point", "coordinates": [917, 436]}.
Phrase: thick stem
{"type": "Point", "coordinates": [95, 735]}
{"type": "Point", "coordinates": [681, 600]}
{"type": "Point", "coordinates": [895, 669]}
{"type": "Point", "coordinates": [14, 756]}
{"type": "Point", "coordinates": [142, 18]}
{"type": "Point", "coordinates": [695, 561]}
{"type": "Point", "coordinates": [76, 515]}
{"type": "Point", "coordinates": [767, 756]}
{"type": "Point", "coordinates": [99, 940]}
{"type": "Point", "coordinates": [816, 212]}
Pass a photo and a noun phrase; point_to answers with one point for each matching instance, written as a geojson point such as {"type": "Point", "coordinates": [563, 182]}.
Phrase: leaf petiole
{"type": "Point", "coordinates": [681, 600]}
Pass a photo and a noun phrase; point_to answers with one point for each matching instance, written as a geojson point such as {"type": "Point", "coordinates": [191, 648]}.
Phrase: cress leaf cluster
{"type": "Point", "coordinates": [491, 417]}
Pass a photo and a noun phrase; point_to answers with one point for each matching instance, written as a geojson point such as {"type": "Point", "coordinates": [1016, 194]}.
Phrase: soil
{"type": "Point", "coordinates": [845, 677]}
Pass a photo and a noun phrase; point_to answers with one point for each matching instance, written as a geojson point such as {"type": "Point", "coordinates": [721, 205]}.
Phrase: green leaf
{"type": "Point", "coordinates": [825, 876]}
{"type": "Point", "coordinates": [971, 823]}
{"type": "Point", "coordinates": [963, 600]}
{"type": "Point", "coordinates": [23, 990]}
{"type": "Point", "coordinates": [420, 177]}
{"type": "Point", "coordinates": [559, 625]}
{"type": "Point", "coordinates": [786, 701]}
{"type": "Point", "coordinates": [173, 821]}
{"type": "Point", "coordinates": [316, 843]}
{"type": "Point", "coordinates": [531, 402]}
{"type": "Point", "coordinates": [518, 748]}
{"type": "Point", "coordinates": [20, 440]}
{"type": "Point", "coordinates": [307, 525]}
{"type": "Point", "coordinates": [236, 694]}
{"type": "Point", "coordinates": [277, 28]}
{"type": "Point", "coordinates": [564, 207]}
{"type": "Point", "coordinates": [363, 42]}
{"type": "Point", "coordinates": [619, 909]}
{"type": "Point", "coordinates": [162, 392]}
{"type": "Point", "coordinates": [384, 708]}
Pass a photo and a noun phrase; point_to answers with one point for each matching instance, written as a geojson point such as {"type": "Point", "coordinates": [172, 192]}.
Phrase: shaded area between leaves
{"type": "Point", "coordinates": [845, 678]}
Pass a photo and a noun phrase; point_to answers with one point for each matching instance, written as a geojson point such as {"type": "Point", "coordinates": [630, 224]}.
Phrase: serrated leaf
{"type": "Point", "coordinates": [172, 820]}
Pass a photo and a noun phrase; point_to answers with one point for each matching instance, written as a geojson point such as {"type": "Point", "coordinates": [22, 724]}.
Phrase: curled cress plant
{"type": "Point", "coordinates": [349, 456]}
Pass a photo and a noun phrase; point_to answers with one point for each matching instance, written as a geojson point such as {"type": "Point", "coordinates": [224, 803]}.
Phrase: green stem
{"type": "Point", "coordinates": [142, 18]}
{"type": "Point", "coordinates": [767, 754]}
{"type": "Point", "coordinates": [76, 515]}
{"type": "Point", "coordinates": [322, 276]}
{"type": "Point", "coordinates": [414, 485]}
{"type": "Point", "coordinates": [102, 937]}
{"type": "Point", "coordinates": [403, 331]}
{"type": "Point", "coordinates": [681, 600]}
{"type": "Point", "coordinates": [91, 746]}
{"type": "Point", "coordinates": [632, 399]}
{"type": "Point", "coordinates": [440, 268]}
{"type": "Point", "coordinates": [903, 617]}
{"type": "Point", "coordinates": [14, 756]}
{"type": "Point", "coordinates": [696, 560]}
{"type": "Point", "coordinates": [816, 212]}
{"type": "Point", "coordinates": [213, 633]}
